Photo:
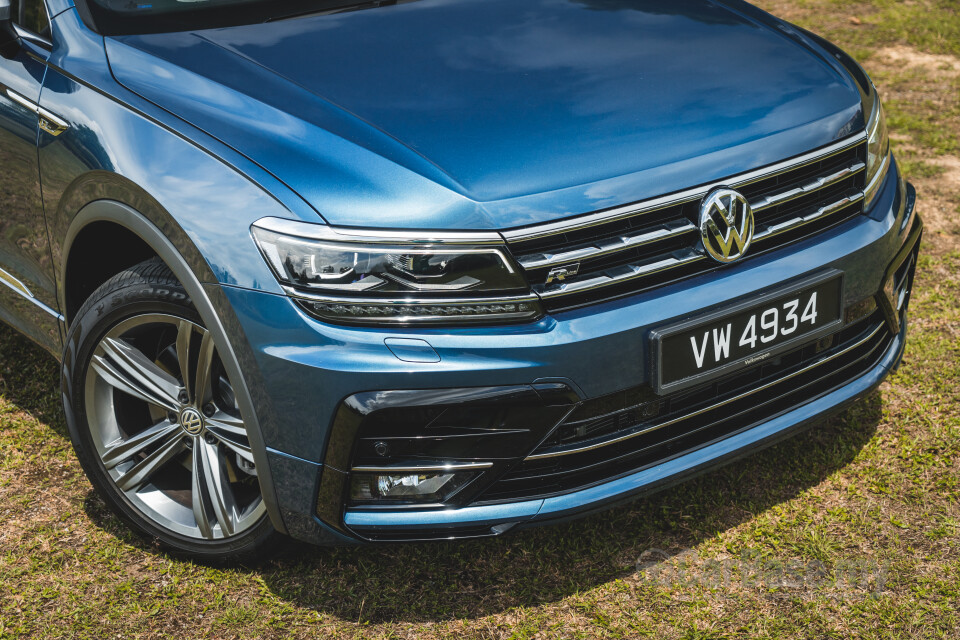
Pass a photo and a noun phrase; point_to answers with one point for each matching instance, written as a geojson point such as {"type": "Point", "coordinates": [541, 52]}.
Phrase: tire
{"type": "Point", "coordinates": [166, 450]}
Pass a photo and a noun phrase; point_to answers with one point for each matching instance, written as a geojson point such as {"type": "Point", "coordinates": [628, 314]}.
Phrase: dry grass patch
{"type": "Point", "coordinates": [929, 64]}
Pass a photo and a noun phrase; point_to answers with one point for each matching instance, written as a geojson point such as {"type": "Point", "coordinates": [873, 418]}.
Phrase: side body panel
{"type": "Point", "coordinates": [27, 287]}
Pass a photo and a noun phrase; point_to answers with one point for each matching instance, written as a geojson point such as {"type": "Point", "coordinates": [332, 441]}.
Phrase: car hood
{"type": "Point", "coordinates": [497, 113]}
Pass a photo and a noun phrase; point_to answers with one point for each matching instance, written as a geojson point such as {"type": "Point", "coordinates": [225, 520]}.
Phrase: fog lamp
{"type": "Point", "coordinates": [434, 486]}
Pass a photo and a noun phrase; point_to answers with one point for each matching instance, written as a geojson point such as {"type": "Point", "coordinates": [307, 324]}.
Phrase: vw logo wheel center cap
{"type": "Point", "coordinates": [191, 421]}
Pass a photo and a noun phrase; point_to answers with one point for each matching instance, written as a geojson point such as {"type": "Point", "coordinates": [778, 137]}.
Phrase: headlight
{"type": "Point", "coordinates": [403, 278]}
{"type": "Point", "coordinates": [878, 152]}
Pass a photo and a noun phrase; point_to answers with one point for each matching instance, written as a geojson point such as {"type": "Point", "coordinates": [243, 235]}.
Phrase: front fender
{"type": "Point", "coordinates": [220, 320]}
{"type": "Point", "coordinates": [190, 198]}
{"type": "Point", "coordinates": [116, 146]}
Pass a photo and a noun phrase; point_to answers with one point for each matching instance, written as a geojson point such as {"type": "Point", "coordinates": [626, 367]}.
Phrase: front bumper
{"type": "Point", "coordinates": [492, 519]}
{"type": "Point", "coordinates": [308, 369]}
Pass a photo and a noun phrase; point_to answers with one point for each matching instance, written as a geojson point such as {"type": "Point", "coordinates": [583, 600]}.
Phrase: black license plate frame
{"type": "Point", "coordinates": [668, 379]}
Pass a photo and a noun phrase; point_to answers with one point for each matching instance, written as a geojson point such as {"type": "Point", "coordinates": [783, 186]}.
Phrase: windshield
{"type": "Point", "coordinates": [123, 17]}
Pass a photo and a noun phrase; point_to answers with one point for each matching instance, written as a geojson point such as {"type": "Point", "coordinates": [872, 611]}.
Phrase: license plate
{"type": "Point", "coordinates": [698, 350]}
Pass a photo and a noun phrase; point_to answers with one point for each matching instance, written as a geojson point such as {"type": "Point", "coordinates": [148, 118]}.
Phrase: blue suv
{"type": "Point", "coordinates": [392, 270]}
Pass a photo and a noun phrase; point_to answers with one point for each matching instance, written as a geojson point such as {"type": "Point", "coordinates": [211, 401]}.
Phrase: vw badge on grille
{"type": "Point", "coordinates": [726, 225]}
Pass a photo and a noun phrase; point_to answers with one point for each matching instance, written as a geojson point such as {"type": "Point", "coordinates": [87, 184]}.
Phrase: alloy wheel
{"type": "Point", "coordinates": [165, 422]}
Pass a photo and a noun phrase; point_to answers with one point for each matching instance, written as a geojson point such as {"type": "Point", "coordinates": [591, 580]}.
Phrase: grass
{"type": "Point", "coordinates": [849, 530]}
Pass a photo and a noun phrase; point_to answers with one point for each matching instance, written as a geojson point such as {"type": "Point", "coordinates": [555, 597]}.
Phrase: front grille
{"type": "Point", "coordinates": [635, 248]}
{"type": "Point", "coordinates": [624, 432]}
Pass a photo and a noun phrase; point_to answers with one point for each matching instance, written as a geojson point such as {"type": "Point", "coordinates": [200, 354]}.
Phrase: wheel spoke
{"type": "Point", "coordinates": [215, 487]}
{"type": "Point", "coordinates": [198, 493]}
{"type": "Point", "coordinates": [184, 333]}
{"type": "Point", "coordinates": [121, 450]}
{"type": "Point", "coordinates": [241, 449]}
{"type": "Point", "coordinates": [117, 380]}
{"type": "Point", "coordinates": [128, 370]}
{"type": "Point", "coordinates": [203, 390]}
{"type": "Point", "coordinates": [138, 475]}
{"type": "Point", "coordinates": [225, 422]}
{"type": "Point", "coordinates": [231, 432]}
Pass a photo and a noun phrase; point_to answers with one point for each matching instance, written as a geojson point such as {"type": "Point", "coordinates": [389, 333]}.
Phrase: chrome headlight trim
{"type": "Point", "coordinates": [311, 231]}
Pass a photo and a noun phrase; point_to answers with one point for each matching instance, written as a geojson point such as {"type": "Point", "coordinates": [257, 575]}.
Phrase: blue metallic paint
{"type": "Point", "coordinates": [495, 116]}
{"type": "Point", "coordinates": [200, 193]}
{"type": "Point", "coordinates": [572, 105]}
{"type": "Point", "coordinates": [56, 7]}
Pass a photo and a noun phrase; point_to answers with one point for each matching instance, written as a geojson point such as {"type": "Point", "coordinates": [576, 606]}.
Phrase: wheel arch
{"type": "Point", "coordinates": [100, 200]}
{"type": "Point", "coordinates": [161, 236]}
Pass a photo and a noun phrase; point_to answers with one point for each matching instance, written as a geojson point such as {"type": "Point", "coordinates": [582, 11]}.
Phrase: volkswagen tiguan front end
{"type": "Point", "coordinates": [384, 271]}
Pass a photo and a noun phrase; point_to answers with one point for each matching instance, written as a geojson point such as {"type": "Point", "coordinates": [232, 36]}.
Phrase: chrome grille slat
{"type": "Point", "coordinates": [798, 221]}
{"type": "Point", "coordinates": [643, 244]}
{"type": "Point", "coordinates": [608, 246]}
{"type": "Point", "coordinates": [622, 273]}
{"type": "Point", "coordinates": [815, 185]}
{"type": "Point", "coordinates": [629, 211]}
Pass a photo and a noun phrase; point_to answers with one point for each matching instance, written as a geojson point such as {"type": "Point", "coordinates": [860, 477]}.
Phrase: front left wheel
{"type": "Point", "coordinates": [155, 421]}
